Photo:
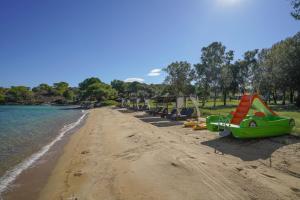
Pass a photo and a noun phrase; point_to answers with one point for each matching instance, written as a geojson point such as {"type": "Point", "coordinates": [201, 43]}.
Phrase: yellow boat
{"type": "Point", "coordinates": [195, 125]}
{"type": "Point", "coordinates": [190, 124]}
{"type": "Point", "coordinates": [201, 126]}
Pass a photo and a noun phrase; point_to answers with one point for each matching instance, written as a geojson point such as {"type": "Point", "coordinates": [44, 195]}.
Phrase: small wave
{"type": "Point", "coordinates": [12, 174]}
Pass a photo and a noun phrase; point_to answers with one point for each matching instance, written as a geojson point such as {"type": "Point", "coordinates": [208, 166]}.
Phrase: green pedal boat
{"type": "Point", "coordinates": [251, 119]}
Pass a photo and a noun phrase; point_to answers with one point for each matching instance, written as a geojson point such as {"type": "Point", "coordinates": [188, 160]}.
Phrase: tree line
{"type": "Point", "coordinates": [273, 72]}
{"type": "Point", "coordinates": [91, 89]}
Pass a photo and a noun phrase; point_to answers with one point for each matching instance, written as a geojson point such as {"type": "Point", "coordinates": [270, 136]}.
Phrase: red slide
{"type": "Point", "coordinates": [248, 101]}
{"type": "Point", "coordinates": [242, 109]}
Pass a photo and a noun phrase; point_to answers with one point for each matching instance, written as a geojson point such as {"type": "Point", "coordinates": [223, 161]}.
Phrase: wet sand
{"type": "Point", "coordinates": [124, 155]}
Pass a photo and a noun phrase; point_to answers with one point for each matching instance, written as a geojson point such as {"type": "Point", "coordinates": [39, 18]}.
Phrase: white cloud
{"type": "Point", "coordinates": [154, 72]}
{"type": "Point", "coordinates": [134, 79]}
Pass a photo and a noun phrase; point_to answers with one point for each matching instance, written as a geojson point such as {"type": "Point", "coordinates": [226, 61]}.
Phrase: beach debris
{"type": "Point", "coordinates": [85, 152]}
{"type": "Point", "coordinates": [78, 173]}
{"type": "Point", "coordinates": [284, 162]}
{"type": "Point", "coordinates": [292, 173]}
{"type": "Point", "coordinates": [174, 164]}
{"type": "Point", "coordinates": [295, 189]}
{"type": "Point", "coordinates": [239, 169]}
{"type": "Point", "coordinates": [218, 152]}
{"type": "Point", "coordinates": [192, 157]}
{"type": "Point", "coordinates": [267, 175]}
{"type": "Point", "coordinates": [73, 197]}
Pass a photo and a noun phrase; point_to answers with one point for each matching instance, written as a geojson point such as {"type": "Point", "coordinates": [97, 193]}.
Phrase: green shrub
{"type": "Point", "coordinates": [109, 103]}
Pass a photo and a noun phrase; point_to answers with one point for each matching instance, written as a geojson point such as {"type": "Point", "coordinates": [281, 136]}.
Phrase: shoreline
{"type": "Point", "coordinates": [132, 156]}
{"type": "Point", "coordinates": [37, 166]}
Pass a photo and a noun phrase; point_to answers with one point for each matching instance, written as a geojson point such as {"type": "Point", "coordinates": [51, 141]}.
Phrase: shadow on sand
{"type": "Point", "coordinates": [249, 150]}
{"type": "Point", "coordinates": [158, 121]}
{"type": "Point", "coordinates": [124, 110]}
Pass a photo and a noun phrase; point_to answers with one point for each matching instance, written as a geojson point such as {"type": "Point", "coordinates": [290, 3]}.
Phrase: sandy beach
{"type": "Point", "coordinates": [130, 155]}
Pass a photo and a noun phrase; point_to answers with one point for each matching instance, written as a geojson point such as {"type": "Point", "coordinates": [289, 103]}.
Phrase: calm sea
{"type": "Point", "coordinates": [27, 132]}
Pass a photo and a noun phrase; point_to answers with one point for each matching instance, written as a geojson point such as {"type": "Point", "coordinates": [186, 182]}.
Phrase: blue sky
{"type": "Point", "coordinates": [46, 41]}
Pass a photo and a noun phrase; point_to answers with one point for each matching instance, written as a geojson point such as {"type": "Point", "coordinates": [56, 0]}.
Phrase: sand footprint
{"type": "Point", "coordinates": [78, 173]}
{"type": "Point", "coordinates": [295, 189]}
{"type": "Point", "coordinates": [85, 152]}
{"type": "Point", "coordinates": [73, 198]}
{"type": "Point", "coordinates": [267, 175]}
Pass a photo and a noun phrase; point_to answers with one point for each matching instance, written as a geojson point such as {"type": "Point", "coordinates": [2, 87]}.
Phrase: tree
{"type": "Point", "coordinates": [119, 86]}
{"type": "Point", "coordinates": [280, 68]}
{"type": "Point", "coordinates": [251, 67]}
{"type": "Point", "coordinates": [44, 93]}
{"type": "Point", "coordinates": [270, 76]}
{"type": "Point", "coordinates": [265, 84]}
{"type": "Point", "coordinates": [202, 77]}
{"type": "Point", "coordinates": [94, 90]}
{"type": "Point", "coordinates": [179, 77]}
{"type": "Point", "coordinates": [69, 94]}
{"type": "Point", "coordinates": [226, 75]}
{"type": "Point", "coordinates": [43, 89]}
{"type": "Point", "coordinates": [100, 92]}
{"type": "Point", "coordinates": [2, 95]}
{"type": "Point", "coordinates": [19, 94]}
{"type": "Point", "coordinates": [60, 88]}
{"type": "Point", "coordinates": [89, 81]}
{"type": "Point", "coordinates": [212, 58]}
{"type": "Point", "coordinates": [235, 72]}
{"type": "Point", "coordinates": [133, 87]}
{"type": "Point", "coordinates": [296, 9]}
{"type": "Point", "coordinates": [292, 51]}
{"type": "Point", "coordinates": [159, 89]}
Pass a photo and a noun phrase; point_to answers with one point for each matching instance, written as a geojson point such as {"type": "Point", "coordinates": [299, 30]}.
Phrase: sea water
{"type": "Point", "coordinates": [28, 132]}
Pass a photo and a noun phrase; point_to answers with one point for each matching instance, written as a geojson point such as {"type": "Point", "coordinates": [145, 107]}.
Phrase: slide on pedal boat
{"type": "Point", "coordinates": [252, 119]}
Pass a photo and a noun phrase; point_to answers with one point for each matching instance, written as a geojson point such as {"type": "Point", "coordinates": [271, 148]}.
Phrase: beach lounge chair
{"type": "Point", "coordinates": [182, 112]}
{"type": "Point", "coordinates": [166, 114]}
{"type": "Point", "coordinates": [138, 107]}
{"type": "Point", "coordinates": [173, 113]}
{"type": "Point", "coordinates": [143, 108]}
{"type": "Point", "coordinates": [186, 114]}
{"type": "Point", "coordinates": [154, 110]}
{"type": "Point", "coordinates": [158, 111]}
{"type": "Point", "coordinates": [163, 112]}
{"type": "Point", "coordinates": [150, 111]}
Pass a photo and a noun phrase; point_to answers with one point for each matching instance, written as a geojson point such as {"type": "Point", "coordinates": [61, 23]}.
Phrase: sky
{"type": "Point", "coordinates": [47, 41]}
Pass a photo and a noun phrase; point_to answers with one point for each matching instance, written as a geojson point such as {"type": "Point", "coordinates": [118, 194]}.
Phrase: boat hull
{"type": "Point", "coordinates": [253, 127]}
{"type": "Point", "coordinates": [260, 132]}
